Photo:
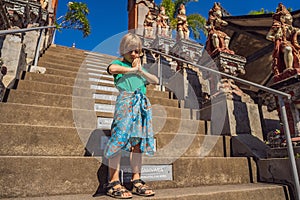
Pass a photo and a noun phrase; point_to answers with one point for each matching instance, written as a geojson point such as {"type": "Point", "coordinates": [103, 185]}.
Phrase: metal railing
{"type": "Point", "coordinates": [280, 95]}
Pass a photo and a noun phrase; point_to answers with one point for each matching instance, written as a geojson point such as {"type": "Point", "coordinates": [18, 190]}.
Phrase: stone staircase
{"type": "Point", "coordinates": [53, 123]}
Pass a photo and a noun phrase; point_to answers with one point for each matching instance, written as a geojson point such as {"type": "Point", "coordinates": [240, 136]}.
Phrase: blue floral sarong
{"type": "Point", "coordinates": [132, 124]}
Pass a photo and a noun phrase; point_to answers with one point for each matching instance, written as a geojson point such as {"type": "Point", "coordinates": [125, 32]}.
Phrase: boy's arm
{"type": "Point", "coordinates": [117, 69]}
{"type": "Point", "coordinates": [149, 77]}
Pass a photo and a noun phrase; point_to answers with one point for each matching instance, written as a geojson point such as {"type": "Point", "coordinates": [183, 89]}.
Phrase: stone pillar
{"type": "Point", "coordinates": [232, 114]}
{"type": "Point", "coordinates": [13, 55]}
{"type": "Point", "coordinates": [230, 109]}
{"type": "Point", "coordinates": [30, 41]}
{"type": "Point", "coordinates": [194, 86]}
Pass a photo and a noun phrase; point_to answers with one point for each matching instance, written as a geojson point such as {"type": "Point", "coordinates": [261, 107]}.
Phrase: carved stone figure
{"type": "Point", "coordinates": [182, 24]}
{"type": "Point", "coordinates": [44, 4]}
{"type": "Point", "coordinates": [217, 40]}
{"type": "Point", "coordinates": [162, 23]}
{"type": "Point", "coordinates": [148, 25]}
{"type": "Point", "coordinates": [286, 54]}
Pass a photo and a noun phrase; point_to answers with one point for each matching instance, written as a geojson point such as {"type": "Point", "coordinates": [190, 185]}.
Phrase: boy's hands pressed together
{"type": "Point", "coordinates": [136, 65]}
{"type": "Point", "coordinates": [136, 62]}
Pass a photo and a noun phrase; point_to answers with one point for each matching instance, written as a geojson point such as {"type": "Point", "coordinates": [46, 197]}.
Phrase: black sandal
{"type": "Point", "coordinates": [117, 192]}
{"type": "Point", "coordinates": [141, 189]}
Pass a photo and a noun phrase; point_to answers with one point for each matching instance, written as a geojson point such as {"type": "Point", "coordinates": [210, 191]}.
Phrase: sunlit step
{"type": "Point", "coordinates": [105, 97]}
{"type": "Point", "coordinates": [104, 88]}
{"type": "Point", "coordinates": [104, 108]}
{"type": "Point", "coordinates": [104, 123]}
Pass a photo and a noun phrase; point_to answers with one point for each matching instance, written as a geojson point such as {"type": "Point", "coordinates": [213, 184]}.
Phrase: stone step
{"type": "Point", "coordinates": [65, 50]}
{"type": "Point", "coordinates": [37, 86]}
{"type": "Point", "coordinates": [83, 73]}
{"type": "Point", "coordinates": [46, 116]}
{"type": "Point", "coordinates": [68, 101]}
{"type": "Point", "coordinates": [103, 63]}
{"type": "Point", "coordinates": [45, 175]}
{"type": "Point", "coordinates": [49, 78]}
{"type": "Point", "coordinates": [157, 110]}
{"type": "Point", "coordinates": [99, 55]}
{"type": "Point", "coordinates": [179, 125]}
{"type": "Point", "coordinates": [211, 192]}
{"type": "Point", "coordinates": [64, 53]}
{"type": "Point", "coordinates": [49, 99]}
{"type": "Point", "coordinates": [22, 176]}
{"type": "Point", "coordinates": [191, 145]}
{"type": "Point", "coordinates": [85, 118]}
{"type": "Point", "coordinates": [56, 56]}
{"type": "Point", "coordinates": [33, 140]}
{"type": "Point", "coordinates": [74, 67]}
{"type": "Point", "coordinates": [162, 124]}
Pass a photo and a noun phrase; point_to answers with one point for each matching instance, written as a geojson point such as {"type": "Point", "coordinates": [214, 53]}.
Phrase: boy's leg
{"type": "Point", "coordinates": [136, 166]}
{"type": "Point", "coordinates": [136, 162]}
{"type": "Point", "coordinates": [114, 169]}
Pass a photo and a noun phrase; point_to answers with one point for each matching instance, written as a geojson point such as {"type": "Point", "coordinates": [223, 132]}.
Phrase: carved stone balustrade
{"type": "Point", "coordinates": [147, 42]}
{"type": "Point", "coordinates": [188, 50]}
{"type": "Point", "coordinates": [230, 63]}
{"type": "Point", "coordinates": [21, 14]}
{"type": "Point", "coordinates": [163, 44]}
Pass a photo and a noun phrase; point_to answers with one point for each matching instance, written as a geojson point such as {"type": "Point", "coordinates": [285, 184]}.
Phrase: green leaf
{"type": "Point", "coordinates": [76, 18]}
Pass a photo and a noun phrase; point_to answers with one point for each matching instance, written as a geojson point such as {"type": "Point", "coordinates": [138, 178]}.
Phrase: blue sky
{"type": "Point", "coordinates": [108, 19]}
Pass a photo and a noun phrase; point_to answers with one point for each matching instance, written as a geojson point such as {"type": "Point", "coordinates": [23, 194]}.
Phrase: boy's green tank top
{"type": "Point", "coordinates": [129, 82]}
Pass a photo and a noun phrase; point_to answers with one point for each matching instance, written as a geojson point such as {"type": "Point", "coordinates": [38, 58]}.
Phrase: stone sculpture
{"type": "Point", "coordinates": [182, 24]}
{"type": "Point", "coordinates": [162, 23]}
{"type": "Point", "coordinates": [286, 54]}
{"type": "Point", "coordinates": [148, 25]}
{"type": "Point", "coordinates": [217, 40]}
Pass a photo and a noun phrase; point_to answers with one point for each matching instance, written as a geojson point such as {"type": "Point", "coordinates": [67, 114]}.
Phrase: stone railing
{"type": "Point", "coordinates": [18, 49]}
{"type": "Point", "coordinates": [22, 14]}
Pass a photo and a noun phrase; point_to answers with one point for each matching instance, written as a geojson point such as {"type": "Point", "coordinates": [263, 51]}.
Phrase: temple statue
{"type": "Point", "coordinates": [162, 23]}
{"type": "Point", "coordinates": [148, 25]}
{"type": "Point", "coordinates": [286, 54]}
{"type": "Point", "coordinates": [217, 40]}
{"type": "Point", "coordinates": [285, 67]}
{"type": "Point", "coordinates": [182, 24]}
{"type": "Point", "coordinates": [44, 4]}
